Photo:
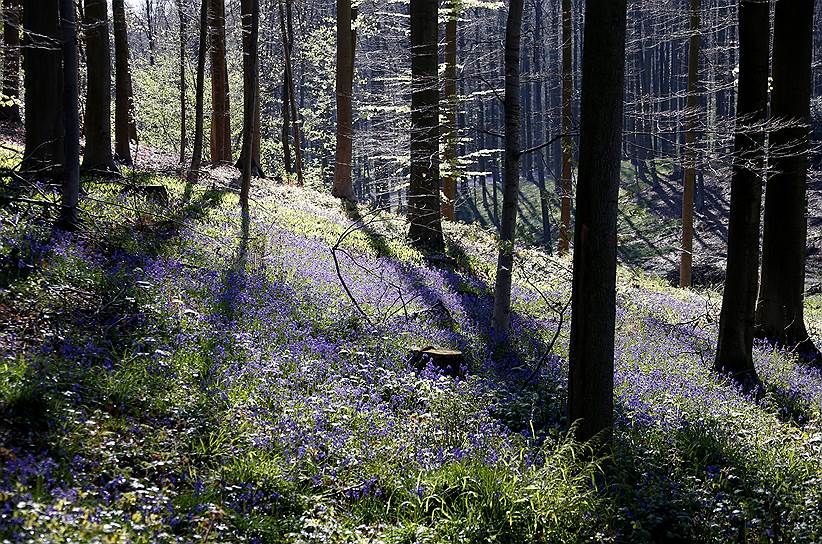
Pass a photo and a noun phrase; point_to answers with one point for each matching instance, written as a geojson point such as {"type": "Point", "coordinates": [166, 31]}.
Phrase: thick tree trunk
{"type": "Point", "coordinates": [567, 121]}
{"type": "Point", "coordinates": [510, 196]}
{"type": "Point", "coordinates": [689, 179]}
{"type": "Point", "coordinates": [449, 180]}
{"type": "Point", "coordinates": [197, 151]}
{"type": "Point", "coordinates": [343, 187]}
{"type": "Point", "coordinates": [71, 120]}
{"type": "Point", "coordinates": [736, 322]}
{"type": "Point", "coordinates": [43, 82]}
{"type": "Point", "coordinates": [220, 110]}
{"type": "Point", "coordinates": [254, 133]}
{"type": "Point", "coordinates": [780, 314]}
{"type": "Point", "coordinates": [182, 75]}
{"type": "Point", "coordinates": [12, 11]}
{"type": "Point", "coordinates": [591, 359]}
{"type": "Point", "coordinates": [250, 21]}
{"type": "Point", "coordinates": [424, 186]}
{"type": "Point", "coordinates": [124, 122]}
{"type": "Point", "coordinates": [97, 154]}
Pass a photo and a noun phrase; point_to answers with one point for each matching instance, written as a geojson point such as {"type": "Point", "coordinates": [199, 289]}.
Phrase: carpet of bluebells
{"type": "Point", "coordinates": [164, 378]}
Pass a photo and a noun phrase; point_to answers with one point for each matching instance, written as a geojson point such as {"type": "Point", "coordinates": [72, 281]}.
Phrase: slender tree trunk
{"type": "Point", "coordinates": [424, 186]}
{"type": "Point", "coordinates": [197, 151]}
{"type": "Point", "coordinates": [250, 20]}
{"type": "Point", "coordinates": [591, 360]}
{"type": "Point", "coordinates": [71, 120]}
{"type": "Point", "coordinates": [124, 98]}
{"type": "Point", "coordinates": [736, 322]}
{"type": "Point", "coordinates": [286, 114]}
{"type": "Point", "coordinates": [780, 314]}
{"type": "Point", "coordinates": [567, 121]}
{"type": "Point", "coordinates": [150, 31]}
{"type": "Point", "coordinates": [449, 181]}
{"type": "Point", "coordinates": [182, 71]}
{"type": "Point", "coordinates": [97, 154]}
{"type": "Point", "coordinates": [12, 10]}
{"type": "Point", "coordinates": [343, 188]}
{"type": "Point", "coordinates": [290, 102]}
{"type": "Point", "coordinates": [43, 82]}
{"type": "Point", "coordinates": [686, 257]}
{"type": "Point", "coordinates": [510, 197]}
{"type": "Point", "coordinates": [220, 110]}
{"type": "Point", "coordinates": [254, 132]}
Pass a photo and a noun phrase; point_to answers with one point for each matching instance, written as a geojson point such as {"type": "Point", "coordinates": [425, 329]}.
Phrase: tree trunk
{"type": "Point", "coordinates": [71, 120]}
{"type": "Point", "coordinates": [343, 188]}
{"type": "Point", "coordinates": [290, 103]}
{"type": "Point", "coordinates": [250, 21]}
{"type": "Point", "coordinates": [424, 186]}
{"type": "Point", "coordinates": [567, 121]}
{"type": "Point", "coordinates": [182, 71]}
{"type": "Point", "coordinates": [780, 314]}
{"type": "Point", "coordinates": [43, 82]}
{"type": "Point", "coordinates": [689, 179]}
{"type": "Point", "coordinates": [124, 97]}
{"type": "Point", "coordinates": [150, 31]}
{"type": "Point", "coordinates": [12, 10]}
{"type": "Point", "coordinates": [97, 154]}
{"type": "Point", "coordinates": [736, 322]}
{"type": "Point", "coordinates": [197, 152]}
{"type": "Point", "coordinates": [591, 359]}
{"type": "Point", "coordinates": [286, 114]}
{"type": "Point", "coordinates": [220, 111]}
{"type": "Point", "coordinates": [449, 181]}
{"type": "Point", "coordinates": [510, 196]}
{"type": "Point", "coordinates": [254, 145]}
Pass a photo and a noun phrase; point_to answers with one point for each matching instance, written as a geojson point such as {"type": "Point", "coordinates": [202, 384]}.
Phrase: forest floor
{"type": "Point", "coordinates": [164, 378]}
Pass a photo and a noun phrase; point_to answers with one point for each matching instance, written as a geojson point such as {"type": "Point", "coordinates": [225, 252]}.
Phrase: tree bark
{"type": "Point", "coordinates": [689, 178]}
{"type": "Point", "coordinates": [780, 313]}
{"type": "Point", "coordinates": [97, 154]}
{"type": "Point", "coordinates": [43, 83]}
{"type": "Point", "coordinates": [567, 121]}
{"type": "Point", "coordinates": [510, 196]}
{"type": "Point", "coordinates": [254, 134]}
{"type": "Point", "coordinates": [250, 21]}
{"type": "Point", "coordinates": [591, 360]}
{"type": "Point", "coordinates": [71, 120]}
{"type": "Point", "coordinates": [220, 110]}
{"type": "Point", "coordinates": [343, 187]}
{"type": "Point", "coordinates": [124, 122]}
{"type": "Point", "coordinates": [424, 187]}
{"type": "Point", "coordinates": [736, 322]}
{"type": "Point", "coordinates": [197, 151]}
{"type": "Point", "coordinates": [449, 181]}
{"type": "Point", "coordinates": [12, 10]}
{"type": "Point", "coordinates": [290, 102]}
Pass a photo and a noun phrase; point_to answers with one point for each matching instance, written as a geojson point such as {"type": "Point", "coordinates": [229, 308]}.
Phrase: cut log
{"type": "Point", "coordinates": [449, 362]}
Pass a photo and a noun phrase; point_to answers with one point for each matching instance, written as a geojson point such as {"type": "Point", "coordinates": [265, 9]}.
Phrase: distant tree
{"type": "Point", "coordinates": [689, 179]}
{"type": "Point", "coordinates": [510, 196]}
{"type": "Point", "coordinates": [251, 20]}
{"type": "Point", "coordinates": [125, 127]}
{"type": "Point", "coordinates": [71, 120]}
{"type": "Point", "coordinates": [10, 111]}
{"type": "Point", "coordinates": [343, 187]}
{"type": "Point", "coordinates": [97, 154]}
{"type": "Point", "coordinates": [736, 321]}
{"type": "Point", "coordinates": [591, 358]}
{"type": "Point", "coordinates": [424, 187]}
{"type": "Point", "coordinates": [451, 104]}
{"type": "Point", "coordinates": [780, 313]}
{"type": "Point", "coordinates": [182, 76]}
{"type": "Point", "coordinates": [197, 151]}
{"type": "Point", "coordinates": [290, 112]}
{"type": "Point", "coordinates": [43, 84]}
{"type": "Point", "coordinates": [567, 123]}
{"type": "Point", "coordinates": [220, 110]}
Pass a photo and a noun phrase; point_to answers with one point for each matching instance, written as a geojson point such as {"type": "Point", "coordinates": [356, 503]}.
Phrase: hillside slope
{"type": "Point", "coordinates": [166, 379]}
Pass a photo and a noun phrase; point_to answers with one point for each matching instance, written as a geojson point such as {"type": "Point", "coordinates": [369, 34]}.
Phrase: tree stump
{"type": "Point", "coordinates": [449, 362]}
